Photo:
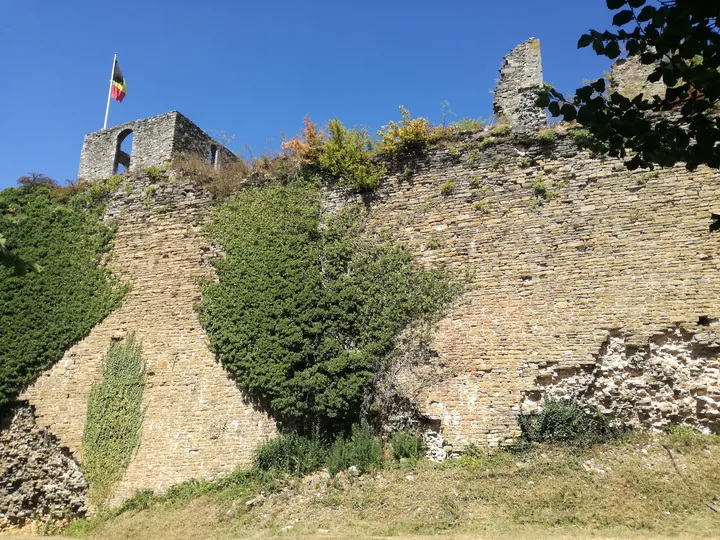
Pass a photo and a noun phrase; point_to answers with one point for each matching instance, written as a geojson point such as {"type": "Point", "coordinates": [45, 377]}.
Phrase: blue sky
{"type": "Point", "coordinates": [254, 69]}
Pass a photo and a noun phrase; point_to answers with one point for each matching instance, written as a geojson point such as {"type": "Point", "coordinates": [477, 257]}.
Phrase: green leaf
{"type": "Point", "coordinates": [623, 17]}
{"type": "Point", "coordinates": [646, 14]}
{"type": "Point", "coordinates": [542, 101]}
{"type": "Point", "coordinates": [598, 47]}
{"type": "Point", "coordinates": [598, 85]}
{"type": "Point", "coordinates": [569, 112]}
{"type": "Point", "coordinates": [584, 93]}
{"type": "Point", "coordinates": [636, 3]}
{"type": "Point", "coordinates": [584, 41]}
{"type": "Point", "coordinates": [616, 4]}
{"type": "Point", "coordinates": [554, 108]}
{"type": "Point", "coordinates": [612, 50]}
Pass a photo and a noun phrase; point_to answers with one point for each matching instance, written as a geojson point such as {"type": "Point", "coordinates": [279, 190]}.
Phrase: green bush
{"type": "Point", "coordinates": [567, 421]}
{"type": "Point", "coordinates": [304, 311]}
{"type": "Point", "coordinates": [291, 454]}
{"type": "Point", "coordinates": [44, 314]}
{"type": "Point", "coordinates": [406, 444]}
{"type": "Point", "coordinates": [362, 450]}
{"type": "Point", "coordinates": [114, 415]}
{"type": "Point", "coordinates": [346, 156]}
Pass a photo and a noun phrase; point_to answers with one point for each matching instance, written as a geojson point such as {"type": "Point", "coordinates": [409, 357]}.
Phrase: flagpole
{"type": "Point", "coordinates": [112, 73]}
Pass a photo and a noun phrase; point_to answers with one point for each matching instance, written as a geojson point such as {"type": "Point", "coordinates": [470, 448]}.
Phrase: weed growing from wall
{"type": "Point", "coordinates": [114, 416]}
{"type": "Point", "coordinates": [305, 310]}
{"type": "Point", "coordinates": [43, 314]}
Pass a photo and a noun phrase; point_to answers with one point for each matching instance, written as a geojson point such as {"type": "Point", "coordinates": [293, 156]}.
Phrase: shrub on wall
{"type": "Point", "coordinates": [567, 421]}
{"type": "Point", "coordinates": [114, 415]}
{"type": "Point", "coordinates": [304, 311]}
{"type": "Point", "coordinates": [43, 314]}
{"type": "Point", "coordinates": [346, 156]}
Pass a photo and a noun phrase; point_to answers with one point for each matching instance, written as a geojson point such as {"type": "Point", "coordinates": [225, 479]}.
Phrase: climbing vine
{"type": "Point", "coordinates": [43, 314]}
{"type": "Point", "coordinates": [114, 416]}
{"type": "Point", "coordinates": [305, 311]}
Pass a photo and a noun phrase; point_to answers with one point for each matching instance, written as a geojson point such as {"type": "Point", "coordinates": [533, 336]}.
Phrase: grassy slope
{"type": "Point", "coordinates": [627, 489]}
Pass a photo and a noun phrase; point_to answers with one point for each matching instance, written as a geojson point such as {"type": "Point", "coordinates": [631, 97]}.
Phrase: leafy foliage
{"type": "Point", "coordinates": [346, 156]}
{"type": "Point", "coordinates": [362, 450]}
{"type": "Point", "coordinates": [304, 312]}
{"type": "Point", "coordinates": [291, 454]}
{"type": "Point", "coordinates": [409, 132]}
{"type": "Point", "coordinates": [9, 260]}
{"type": "Point", "coordinates": [680, 38]}
{"type": "Point", "coordinates": [406, 444]}
{"type": "Point", "coordinates": [45, 313]}
{"type": "Point", "coordinates": [114, 416]}
{"type": "Point", "coordinates": [567, 421]}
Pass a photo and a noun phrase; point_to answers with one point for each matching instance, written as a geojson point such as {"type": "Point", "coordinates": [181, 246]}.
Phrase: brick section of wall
{"type": "Point", "coordinates": [197, 424]}
{"type": "Point", "coordinates": [156, 140]}
{"type": "Point", "coordinates": [520, 78]}
{"type": "Point", "coordinates": [616, 252]}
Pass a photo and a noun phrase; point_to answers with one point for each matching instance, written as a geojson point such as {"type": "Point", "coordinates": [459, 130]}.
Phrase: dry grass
{"type": "Point", "coordinates": [628, 489]}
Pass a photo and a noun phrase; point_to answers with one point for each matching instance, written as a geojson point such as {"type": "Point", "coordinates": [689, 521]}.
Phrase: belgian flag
{"type": "Point", "coordinates": [119, 88]}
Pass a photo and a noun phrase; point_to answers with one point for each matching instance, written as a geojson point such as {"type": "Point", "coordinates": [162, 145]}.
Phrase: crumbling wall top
{"type": "Point", "coordinates": [520, 78]}
{"type": "Point", "coordinates": [155, 142]}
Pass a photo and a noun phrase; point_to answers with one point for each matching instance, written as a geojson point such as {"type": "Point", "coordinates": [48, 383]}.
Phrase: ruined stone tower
{"type": "Point", "coordinates": [520, 78]}
{"type": "Point", "coordinates": [156, 141]}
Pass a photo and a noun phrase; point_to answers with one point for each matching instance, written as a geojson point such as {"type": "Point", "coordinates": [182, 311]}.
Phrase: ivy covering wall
{"type": "Point", "coordinates": [44, 314]}
{"type": "Point", "coordinates": [114, 416]}
{"type": "Point", "coordinates": [305, 311]}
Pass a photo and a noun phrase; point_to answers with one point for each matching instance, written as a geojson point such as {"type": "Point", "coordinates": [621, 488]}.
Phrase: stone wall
{"type": "Point", "coordinates": [520, 78]}
{"type": "Point", "coordinates": [196, 424]}
{"type": "Point", "coordinates": [39, 480]}
{"type": "Point", "coordinates": [608, 290]}
{"type": "Point", "coordinates": [629, 77]}
{"type": "Point", "coordinates": [156, 140]}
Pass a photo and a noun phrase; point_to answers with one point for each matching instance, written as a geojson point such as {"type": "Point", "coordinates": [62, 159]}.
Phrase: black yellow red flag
{"type": "Point", "coordinates": [119, 87]}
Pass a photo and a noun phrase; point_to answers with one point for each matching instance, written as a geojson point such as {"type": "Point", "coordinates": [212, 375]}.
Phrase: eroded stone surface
{"type": "Point", "coordinates": [39, 480]}
{"type": "Point", "coordinates": [674, 379]}
{"type": "Point", "coordinates": [520, 78]}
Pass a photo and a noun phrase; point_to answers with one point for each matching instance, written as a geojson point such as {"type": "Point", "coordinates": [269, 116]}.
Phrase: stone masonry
{"type": "Point", "coordinates": [156, 141]}
{"type": "Point", "coordinates": [583, 279]}
{"type": "Point", "coordinates": [554, 284]}
{"type": "Point", "coordinates": [197, 423]}
{"type": "Point", "coordinates": [39, 480]}
{"type": "Point", "coordinates": [521, 77]}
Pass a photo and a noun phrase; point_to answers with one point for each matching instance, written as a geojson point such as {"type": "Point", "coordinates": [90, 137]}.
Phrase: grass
{"type": "Point", "coordinates": [625, 489]}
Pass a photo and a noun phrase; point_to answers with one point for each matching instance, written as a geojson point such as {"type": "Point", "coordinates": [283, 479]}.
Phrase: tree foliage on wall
{"type": "Point", "coordinates": [681, 39]}
{"type": "Point", "coordinates": [305, 310]}
{"type": "Point", "coordinates": [43, 314]}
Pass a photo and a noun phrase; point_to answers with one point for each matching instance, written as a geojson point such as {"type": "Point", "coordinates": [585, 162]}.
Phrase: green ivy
{"type": "Point", "coordinates": [305, 311]}
{"type": "Point", "coordinates": [114, 416]}
{"type": "Point", "coordinates": [44, 314]}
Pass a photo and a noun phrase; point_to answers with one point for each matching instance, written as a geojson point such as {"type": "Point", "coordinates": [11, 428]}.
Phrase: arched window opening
{"type": "Point", "coordinates": [123, 151]}
{"type": "Point", "coordinates": [213, 157]}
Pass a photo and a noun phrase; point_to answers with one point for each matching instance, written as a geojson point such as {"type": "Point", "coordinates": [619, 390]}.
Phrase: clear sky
{"type": "Point", "coordinates": [253, 69]}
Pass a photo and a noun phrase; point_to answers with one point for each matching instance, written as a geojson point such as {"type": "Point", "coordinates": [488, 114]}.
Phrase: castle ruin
{"type": "Point", "coordinates": [156, 141]}
{"type": "Point", "coordinates": [607, 290]}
